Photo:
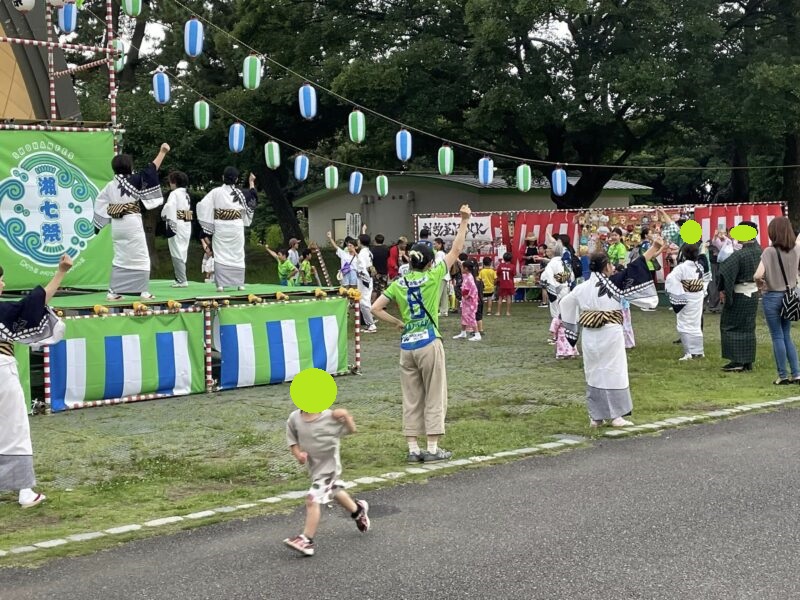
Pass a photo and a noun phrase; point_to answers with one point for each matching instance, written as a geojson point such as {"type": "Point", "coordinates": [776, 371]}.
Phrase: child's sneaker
{"type": "Point", "coordinates": [440, 454]}
{"type": "Point", "coordinates": [460, 336]}
{"type": "Point", "coordinates": [475, 338]}
{"type": "Point", "coordinates": [362, 520]}
{"type": "Point", "coordinates": [301, 543]}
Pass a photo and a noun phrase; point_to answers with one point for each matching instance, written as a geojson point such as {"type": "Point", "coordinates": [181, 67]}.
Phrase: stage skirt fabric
{"type": "Point", "coordinates": [228, 276]}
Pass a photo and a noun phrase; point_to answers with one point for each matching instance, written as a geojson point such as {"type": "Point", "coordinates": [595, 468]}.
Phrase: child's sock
{"type": "Point", "coordinates": [359, 510]}
{"type": "Point", "coordinates": [433, 447]}
{"type": "Point", "coordinates": [413, 447]}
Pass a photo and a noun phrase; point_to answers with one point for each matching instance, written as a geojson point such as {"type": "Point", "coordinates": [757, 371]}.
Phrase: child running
{"type": "Point", "coordinates": [314, 439]}
{"type": "Point", "coordinates": [469, 302]}
{"type": "Point", "coordinates": [287, 272]}
{"type": "Point", "coordinates": [489, 278]}
{"type": "Point", "coordinates": [505, 287]}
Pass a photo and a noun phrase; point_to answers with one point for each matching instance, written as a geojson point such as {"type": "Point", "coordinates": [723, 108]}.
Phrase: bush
{"type": "Point", "coordinates": [274, 237]}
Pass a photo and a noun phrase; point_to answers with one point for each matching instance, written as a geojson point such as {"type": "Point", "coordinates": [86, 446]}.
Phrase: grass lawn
{"type": "Point", "coordinates": [112, 466]}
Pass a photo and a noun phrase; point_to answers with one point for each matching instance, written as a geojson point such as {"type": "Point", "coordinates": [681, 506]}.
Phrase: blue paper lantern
{"type": "Point", "coordinates": [193, 38]}
{"type": "Point", "coordinates": [68, 17]}
{"type": "Point", "coordinates": [559, 181]}
{"type": "Point", "coordinates": [161, 87]}
{"type": "Point", "coordinates": [236, 137]}
{"type": "Point", "coordinates": [485, 170]}
{"type": "Point", "coordinates": [301, 167]}
{"type": "Point", "coordinates": [356, 179]}
{"type": "Point", "coordinates": [308, 101]}
{"type": "Point", "coordinates": [403, 144]}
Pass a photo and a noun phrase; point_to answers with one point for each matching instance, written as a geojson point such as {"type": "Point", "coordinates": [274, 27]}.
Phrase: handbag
{"type": "Point", "coordinates": [790, 306]}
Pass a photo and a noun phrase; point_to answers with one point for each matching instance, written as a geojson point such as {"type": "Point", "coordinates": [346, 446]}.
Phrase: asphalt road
{"type": "Point", "coordinates": [705, 512]}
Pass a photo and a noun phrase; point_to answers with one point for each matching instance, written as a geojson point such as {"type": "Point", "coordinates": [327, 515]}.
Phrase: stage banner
{"type": "Point", "coordinates": [48, 184]}
{"type": "Point", "coordinates": [23, 355]}
{"type": "Point", "coordinates": [271, 343]}
{"type": "Point", "coordinates": [107, 358]}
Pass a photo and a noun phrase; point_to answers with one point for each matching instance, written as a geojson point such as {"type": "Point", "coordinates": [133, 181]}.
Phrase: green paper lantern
{"type": "Point", "coordinates": [446, 160]}
{"type": "Point", "coordinates": [251, 72]}
{"type": "Point", "coordinates": [272, 154]}
{"type": "Point", "coordinates": [202, 114]}
{"type": "Point", "coordinates": [382, 185]}
{"type": "Point", "coordinates": [331, 177]}
{"type": "Point", "coordinates": [358, 126]}
{"type": "Point", "coordinates": [132, 8]}
{"type": "Point", "coordinates": [119, 59]}
{"type": "Point", "coordinates": [524, 178]}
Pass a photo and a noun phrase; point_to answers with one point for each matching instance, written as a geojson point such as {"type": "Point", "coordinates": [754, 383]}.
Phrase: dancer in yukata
{"type": "Point", "coordinates": [178, 219]}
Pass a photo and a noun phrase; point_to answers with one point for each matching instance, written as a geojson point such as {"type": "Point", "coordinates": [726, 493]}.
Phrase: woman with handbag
{"type": "Point", "coordinates": [776, 277]}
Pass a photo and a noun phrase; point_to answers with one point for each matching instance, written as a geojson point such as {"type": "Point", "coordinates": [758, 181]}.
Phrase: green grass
{"type": "Point", "coordinates": [113, 466]}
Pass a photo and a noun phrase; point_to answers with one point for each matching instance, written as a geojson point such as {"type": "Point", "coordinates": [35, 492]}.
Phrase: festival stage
{"type": "Point", "coordinates": [185, 341]}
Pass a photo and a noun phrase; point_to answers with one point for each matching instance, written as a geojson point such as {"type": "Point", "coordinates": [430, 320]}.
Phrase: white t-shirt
{"type": "Point", "coordinates": [365, 258]}
{"type": "Point", "coordinates": [439, 258]}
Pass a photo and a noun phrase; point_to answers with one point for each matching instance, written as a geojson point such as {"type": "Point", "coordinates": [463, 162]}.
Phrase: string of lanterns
{"type": "Point", "coordinates": [252, 72]}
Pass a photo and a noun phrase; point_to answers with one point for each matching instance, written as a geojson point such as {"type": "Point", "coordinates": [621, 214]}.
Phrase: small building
{"type": "Point", "coordinates": [411, 194]}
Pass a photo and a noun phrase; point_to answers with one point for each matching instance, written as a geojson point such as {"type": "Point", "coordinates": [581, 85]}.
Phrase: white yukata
{"type": "Point", "coordinates": [223, 214]}
{"type": "Point", "coordinates": [120, 203]}
{"type": "Point", "coordinates": [28, 321]}
{"type": "Point", "coordinates": [595, 307]}
{"type": "Point", "coordinates": [362, 276]}
{"type": "Point", "coordinates": [557, 277]}
{"type": "Point", "coordinates": [178, 219]}
{"type": "Point", "coordinates": [686, 287]}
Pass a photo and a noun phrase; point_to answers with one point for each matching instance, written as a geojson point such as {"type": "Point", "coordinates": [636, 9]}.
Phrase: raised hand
{"type": "Point", "coordinates": [65, 264]}
{"type": "Point", "coordinates": [466, 212]}
{"type": "Point", "coordinates": [165, 148]}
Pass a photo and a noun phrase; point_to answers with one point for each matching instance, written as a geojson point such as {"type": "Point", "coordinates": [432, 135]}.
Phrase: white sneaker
{"type": "Point", "coordinates": [460, 336]}
{"type": "Point", "coordinates": [475, 338]}
{"type": "Point", "coordinates": [371, 329]}
{"type": "Point", "coordinates": [112, 296]}
{"type": "Point", "coordinates": [686, 357]}
{"type": "Point", "coordinates": [180, 284]}
{"type": "Point", "coordinates": [146, 296]}
{"type": "Point", "coordinates": [240, 288]}
{"type": "Point", "coordinates": [620, 422]}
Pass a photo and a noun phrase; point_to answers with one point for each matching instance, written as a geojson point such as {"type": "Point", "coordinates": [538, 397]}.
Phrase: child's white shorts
{"type": "Point", "coordinates": [322, 490]}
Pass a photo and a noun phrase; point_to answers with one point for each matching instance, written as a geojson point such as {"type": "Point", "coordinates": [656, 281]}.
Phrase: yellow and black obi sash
{"type": "Point", "coordinates": [595, 319]}
{"type": "Point", "coordinates": [184, 215]}
{"type": "Point", "coordinates": [227, 214]}
{"type": "Point", "coordinates": [117, 211]}
{"type": "Point", "coordinates": [692, 285]}
{"type": "Point", "coordinates": [563, 277]}
{"type": "Point", "coordinates": [7, 348]}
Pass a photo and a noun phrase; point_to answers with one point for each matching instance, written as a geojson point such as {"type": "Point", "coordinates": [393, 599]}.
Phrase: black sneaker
{"type": "Point", "coordinates": [415, 457]}
{"type": "Point", "coordinates": [440, 454]}
{"type": "Point", "coordinates": [676, 342]}
{"type": "Point", "coordinates": [733, 367]}
{"type": "Point", "coordinates": [362, 520]}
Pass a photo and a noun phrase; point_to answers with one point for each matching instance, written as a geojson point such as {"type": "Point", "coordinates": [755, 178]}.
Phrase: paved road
{"type": "Point", "coordinates": [705, 512]}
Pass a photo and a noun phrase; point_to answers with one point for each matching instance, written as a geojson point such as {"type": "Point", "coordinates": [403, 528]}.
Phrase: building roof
{"type": "Point", "coordinates": [499, 183]}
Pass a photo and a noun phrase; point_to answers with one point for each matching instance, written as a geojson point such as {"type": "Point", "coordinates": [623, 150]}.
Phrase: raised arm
{"type": "Point", "coordinates": [64, 265]}
{"type": "Point", "coordinates": [162, 152]}
{"type": "Point", "coordinates": [458, 243]}
{"type": "Point", "coordinates": [271, 252]}
{"type": "Point", "coordinates": [655, 249]}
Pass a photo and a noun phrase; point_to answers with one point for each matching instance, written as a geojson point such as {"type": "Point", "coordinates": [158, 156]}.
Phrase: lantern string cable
{"type": "Point", "coordinates": [481, 151]}
{"type": "Point", "coordinates": [258, 129]}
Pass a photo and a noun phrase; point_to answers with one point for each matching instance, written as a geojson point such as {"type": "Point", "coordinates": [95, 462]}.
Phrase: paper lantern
{"type": "Point", "coordinates": [308, 101]}
{"type": "Point", "coordinates": [132, 8]}
{"type": "Point", "coordinates": [485, 170]}
{"type": "Point", "coordinates": [161, 87]}
{"type": "Point", "coordinates": [24, 6]}
{"type": "Point", "coordinates": [236, 137]}
{"type": "Point", "coordinates": [202, 114]}
{"type": "Point", "coordinates": [301, 167]}
{"type": "Point", "coordinates": [331, 177]}
{"type": "Point", "coordinates": [272, 154]}
{"type": "Point", "coordinates": [68, 17]}
{"type": "Point", "coordinates": [193, 38]}
{"type": "Point", "coordinates": [56, 3]}
{"type": "Point", "coordinates": [559, 181]}
{"type": "Point", "coordinates": [251, 72]}
{"type": "Point", "coordinates": [356, 180]}
{"type": "Point", "coordinates": [446, 160]}
{"type": "Point", "coordinates": [402, 143]}
{"type": "Point", "coordinates": [382, 185]}
{"type": "Point", "coordinates": [119, 59]}
{"type": "Point", "coordinates": [357, 125]}
{"type": "Point", "coordinates": [524, 178]}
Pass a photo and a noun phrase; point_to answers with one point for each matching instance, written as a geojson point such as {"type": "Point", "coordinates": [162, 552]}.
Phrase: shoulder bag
{"type": "Point", "coordinates": [790, 307]}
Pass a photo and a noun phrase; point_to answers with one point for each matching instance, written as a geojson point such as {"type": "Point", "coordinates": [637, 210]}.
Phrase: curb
{"type": "Point", "coordinates": [473, 460]}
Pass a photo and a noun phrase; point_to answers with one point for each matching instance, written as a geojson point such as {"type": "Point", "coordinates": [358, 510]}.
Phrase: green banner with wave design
{"type": "Point", "coordinates": [48, 184]}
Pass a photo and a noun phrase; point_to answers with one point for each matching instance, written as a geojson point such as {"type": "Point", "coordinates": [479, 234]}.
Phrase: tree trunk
{"type": "Point", "coordinates": [127, 79]}
{"type": "Point", "coordinates": [740, 178]}
{"type": "Point", "coordinates": [791, 177]}
{"type": "Point", "coordinates": [287, 218]}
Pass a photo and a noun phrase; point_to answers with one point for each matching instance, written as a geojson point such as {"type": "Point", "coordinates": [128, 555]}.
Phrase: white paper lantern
{"type": "Point", "coordinates": [485, 170]}
{"type": "Point", "coordinates": [301, 165]}
{"type": "Point", "coordinates": [24, 6]}
{"type": "Point", "coordinates": [193, 38]}
{"type": "Point", "coordinates": [308, 101]}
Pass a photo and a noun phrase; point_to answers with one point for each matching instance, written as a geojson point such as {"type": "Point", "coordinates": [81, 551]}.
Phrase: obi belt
{"type": "Point", "coordinates": [227, 214]}
{"type": "Point", "coordinates": [595, 319]}
{"type": "Point", "coordinates": [117, 211]}
{"type": "Point", "coordinates": [692, 285]}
